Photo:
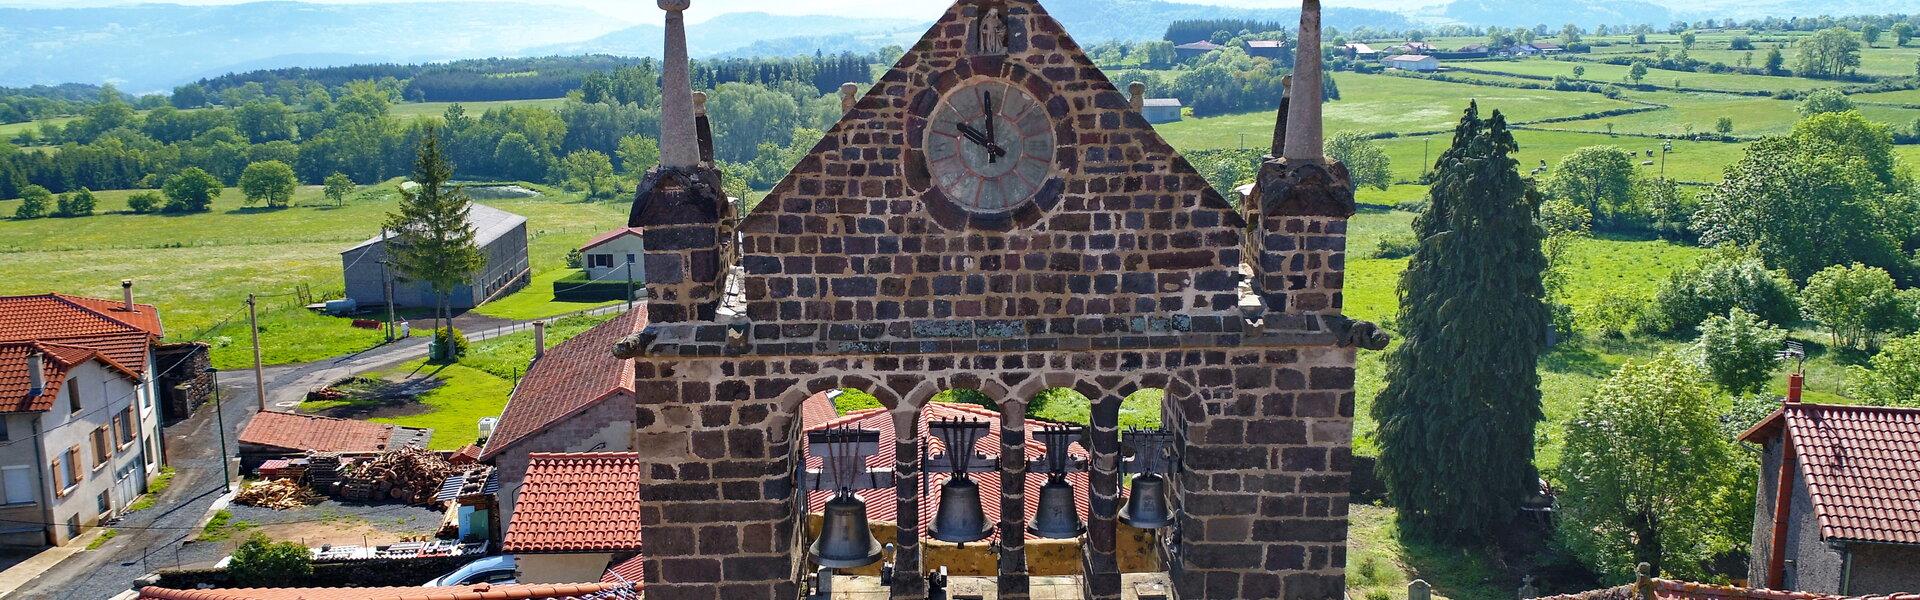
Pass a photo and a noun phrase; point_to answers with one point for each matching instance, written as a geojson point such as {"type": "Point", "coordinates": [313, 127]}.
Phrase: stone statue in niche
{"type": "Point", "coordinates": [993, 32]}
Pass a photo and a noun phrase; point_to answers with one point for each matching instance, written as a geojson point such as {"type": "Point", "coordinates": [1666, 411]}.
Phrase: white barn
{"type": "Point", "coordinates": [1160, 110]}
{"type": "Point", "coordinates": [1411, 62]}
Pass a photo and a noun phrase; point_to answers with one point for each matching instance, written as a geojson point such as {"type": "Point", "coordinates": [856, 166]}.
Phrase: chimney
{"type": "Point", "coordinates": [1794, 383]}
{"type": "Point", "coordinates": [1137, 95]}
{"type": "Point", "coordinates": [703, 127]}
{"type": "Point", "coordinates": [849, 95]}
{"type": "Point", "coordinates": [539, 339]}
{"type": "Point", "coordinates": [126, 293]}
{"type": "Point", "coordinates": [1304, 136]}
{"type": "Point", "coordinates": [679, 147]}
{"type": "Point", "coordinates": [36, 373]}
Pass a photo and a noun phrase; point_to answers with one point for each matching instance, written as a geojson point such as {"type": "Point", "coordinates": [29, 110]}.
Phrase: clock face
{"type": "Point", "coordinates": [989, 147]}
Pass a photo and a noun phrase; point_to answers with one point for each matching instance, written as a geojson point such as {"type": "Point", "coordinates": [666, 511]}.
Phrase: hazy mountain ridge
{"type": "Point", "coordinates": [156, 46]}
{"type": "Point", "coordinates": [1586, 13]}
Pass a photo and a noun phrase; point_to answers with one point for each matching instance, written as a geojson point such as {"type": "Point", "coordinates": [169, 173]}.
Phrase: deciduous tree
{"type": "Point", "coordinates": [1892, 377]}
{"type": "Point", "coordinates": [1646, 470]}
{"type": "Point", "coordinates": [1827, 53]}
{"type": "Point", "coordinates": [1737, 350]}
{"type": "Point", "coordinates": [1803, 204]}
{"type": "Point", "coordinates": [1474, 317]}
{"type": "Point", "coordinates": [589, 171]}
{"type": "Point", "coordinates": [1856, 303]}
{"type": "Point", "coordinates": [1824, 100]}
{"type": "Point", "coordinates": [1728, 279]}
{"type": "Point", "coordinates": [262, 562]}
{"type": "Point", "coordinates": [270, 182]}
{"type": "Point", "coordinates": [193, 190]}
{"type": "Point", "coordinates": [338, 185]}
{"type": "Point", "coordinates": [1600, 179]}
{"type": "Point", "coordinates": [35, 202]}
{"type": "Point", "coordinates": [1368, 165]}
{"type": "Point", "coordinates": [78, 203]}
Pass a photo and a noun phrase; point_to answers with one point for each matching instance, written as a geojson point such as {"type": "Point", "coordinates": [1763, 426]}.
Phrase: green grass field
{"type": "Point", "coordinates": [199, 268]}
{"type": "Point", "coordinates": [8, 130]}
{"type": "Point", "coordinates": [1382, 103]}
{"type": "Point", "coordinates": [435, 109]}
{"type": "Point", "coordinates": [1609, 73]}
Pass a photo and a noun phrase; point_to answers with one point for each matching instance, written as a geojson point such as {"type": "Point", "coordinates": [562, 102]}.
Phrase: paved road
{"type": "Point", "coordinates": [160, 537]}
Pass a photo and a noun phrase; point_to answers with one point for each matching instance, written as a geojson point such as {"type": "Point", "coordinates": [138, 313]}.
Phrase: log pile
{"type": "Point", "coordinates": [412, 475]}
{"type": "Point", "coordinates": [278, 494]}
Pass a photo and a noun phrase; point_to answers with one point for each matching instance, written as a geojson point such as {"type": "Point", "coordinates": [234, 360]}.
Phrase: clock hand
{"type": "Point", "coordinates": [986, 97]}
{"type": "Point", "coordinates": [994, 151]}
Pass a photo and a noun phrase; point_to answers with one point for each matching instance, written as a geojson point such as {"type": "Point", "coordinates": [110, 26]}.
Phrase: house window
{"type": "Point", "coordinates": [102, 446]}
{"type": "Point", "coordinates": [73, 466]}
{"type": "Point", "coordinates": [57, 471]}
{"type": "Point", "coordinates": [600, 261]}
{"type": "Point", "coordinates": [73, 395]}
{"type": "Point", "coordinates": [104, 502]}
{"type": "Point", "coordinates": [73, 526]}
{"type": "Point", "coordinates": [128, 426]}
{"type": "Point", "coordinates": [630, 259]}
{"type": "Point", "coordinates": [3, 429]}
{"type": "Point", "coordinates": [18, 483]}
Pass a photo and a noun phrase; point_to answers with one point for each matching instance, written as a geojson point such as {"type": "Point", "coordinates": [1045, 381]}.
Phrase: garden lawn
{"type": "Point", "coordinates": [453, 410]}
{"type": "Point", "coordinates": [536, 301]}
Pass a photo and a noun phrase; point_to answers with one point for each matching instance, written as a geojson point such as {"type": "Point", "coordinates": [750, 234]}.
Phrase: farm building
{"type": "Point", "coordinates": [274, 435]}
{"type": "Point", "coordinates": [1546, 47]}
{"type": "Point", "coordinates": [501, 235]}
{"type": "Point", "coordinates": [605, 258]}
{"type": "Point", "coordinates": [1360, 50]}
{"type": "Point", "coordinates": [1266, 48]}
{"type": "Point", "coordinates": [1195, 50]}
{"type": "Point", "coordinates": [1161, 110]}
{"type": "Point", "coordinates": [1836, 511]}
{"type": "Point", "coordinates": [1411, 62]}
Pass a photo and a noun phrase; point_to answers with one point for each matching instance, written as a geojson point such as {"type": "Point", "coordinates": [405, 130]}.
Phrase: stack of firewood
{"type": "Point", "coordinates": [279, 494]}
{"type": "Point", "coordinates": [412, 475]}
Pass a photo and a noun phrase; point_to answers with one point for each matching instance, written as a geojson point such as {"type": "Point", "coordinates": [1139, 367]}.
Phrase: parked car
{"type": "Point", "coordinates": [492, 569]}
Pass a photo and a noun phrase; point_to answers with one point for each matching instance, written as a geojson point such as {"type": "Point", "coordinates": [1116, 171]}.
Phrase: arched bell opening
{"type": "Point", "coordinates": [848, 456]}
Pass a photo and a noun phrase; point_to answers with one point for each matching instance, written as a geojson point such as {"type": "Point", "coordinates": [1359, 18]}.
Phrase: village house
{"type": "Point", "coordinates": [1265, 48]}
{"type": "Point", "coordinates": [78, 413]}
{"type": "Point", "coordinates": [1837, 510]}
{"type": "Point", "coordinates": [614, 256]}
{"type": "Point", "coordinates": [1360, 50]}
{"type": "Point", "coordinates": [577, 517]}
{"type": "Point", "coordinates": [1194, 50]}
{"type": "Point", "coordinates": [1411, 62]}
{"type": "Point", "coordinates": [500, 235]}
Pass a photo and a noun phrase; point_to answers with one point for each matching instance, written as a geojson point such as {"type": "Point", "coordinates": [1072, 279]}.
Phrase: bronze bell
{"type": "Point", "coordinates": [845, 541]}
{"type": "Point", "coordinates": [960, 519]}
{"type": "Point", "coordinates": [1147, 505]}
{"type": "Point", "coordinates": [1058, 517]}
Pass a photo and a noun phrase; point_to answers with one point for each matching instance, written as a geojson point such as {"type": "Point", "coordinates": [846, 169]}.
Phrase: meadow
{"type": "Point", "coordinates": [200, 267]}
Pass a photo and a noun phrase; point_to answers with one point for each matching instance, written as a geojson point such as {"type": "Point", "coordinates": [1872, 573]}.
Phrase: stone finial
{"type": "Point", "coordinates": [1137, 94]}
{"type": "Point", "coordinates": [1419, 589]}
{"type": "Point", "coordinates": [849, 95]}
{"type": "Point", "coordinates": [1280, 122]}
{"type": "Point", "coordinates": [699, 103]}
{"type": "Point", "coordinates": [1527, 590]}
{"type": "Point", "coordinates": [679, 141]}
{"type": "Point", "coordinates": [1304, 135]}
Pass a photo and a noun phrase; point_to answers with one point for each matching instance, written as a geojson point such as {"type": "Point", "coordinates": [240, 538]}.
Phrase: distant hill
{"type": "Point", "coordinates": [149, 47]}
{"type": "Point", "coordinates": [1585, 13]}
{"type": "Point", "coordinates": [1090, 22]}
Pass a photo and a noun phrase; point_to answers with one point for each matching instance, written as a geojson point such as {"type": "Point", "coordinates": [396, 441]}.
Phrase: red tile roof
{"type": "Point", "coordinates": [297, 432]}
{"type": "Point", "coordinates": [611, 235]}
{"type": "Point", "coordinates": [563, 591]}
{"type": "Point", "coordinates": [817, 409]}
{"type": "Point", "coordinates": [587, 502]}
{"type": "Point", "coordinates": [882, 505]}
{"type": "Point", "coordinates": [1667, 589]}
{"type": "Point", "coordinates": [1861, 464]}
{"type": "Point", "coordinates": [123, 336]}
{"type": "Point", "coordinates": [16, 382]}
{"type": "Point", "coordinates": [573, 376]}
{"type": "Point", "coordinates": [632, 570]}
{"type": "Point", "coordinates": [468, 454]}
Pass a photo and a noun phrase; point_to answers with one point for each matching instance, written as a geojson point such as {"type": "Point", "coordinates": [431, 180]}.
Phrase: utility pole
{"type": "Point", "coordinates": [629, 285]}
{"type": "Point", "coordinates": [220, 423]}
{"type": "Point", "coordinates": [386, 283]}
{"type": "Point", "coordinates": [1426, 153]}
{"type": "Point", "coordinates": [259, 376]}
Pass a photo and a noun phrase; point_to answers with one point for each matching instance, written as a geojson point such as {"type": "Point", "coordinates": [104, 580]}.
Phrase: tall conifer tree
{"type": "Point", "coordinates": [432, 240]}
{"type": "Point", "coordinates": [1457, 417]}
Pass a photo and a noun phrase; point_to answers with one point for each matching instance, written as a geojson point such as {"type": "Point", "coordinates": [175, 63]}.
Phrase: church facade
{"type": "Point", "coordinates": [995, 215]}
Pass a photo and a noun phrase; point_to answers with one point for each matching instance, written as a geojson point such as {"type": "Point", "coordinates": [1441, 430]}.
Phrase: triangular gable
{"type": "Point", "coordinates": [1119, 200]}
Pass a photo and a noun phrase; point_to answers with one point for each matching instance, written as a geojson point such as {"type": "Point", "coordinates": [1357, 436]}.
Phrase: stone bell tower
{"type": "Point", "coordinates": [680, 205]}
